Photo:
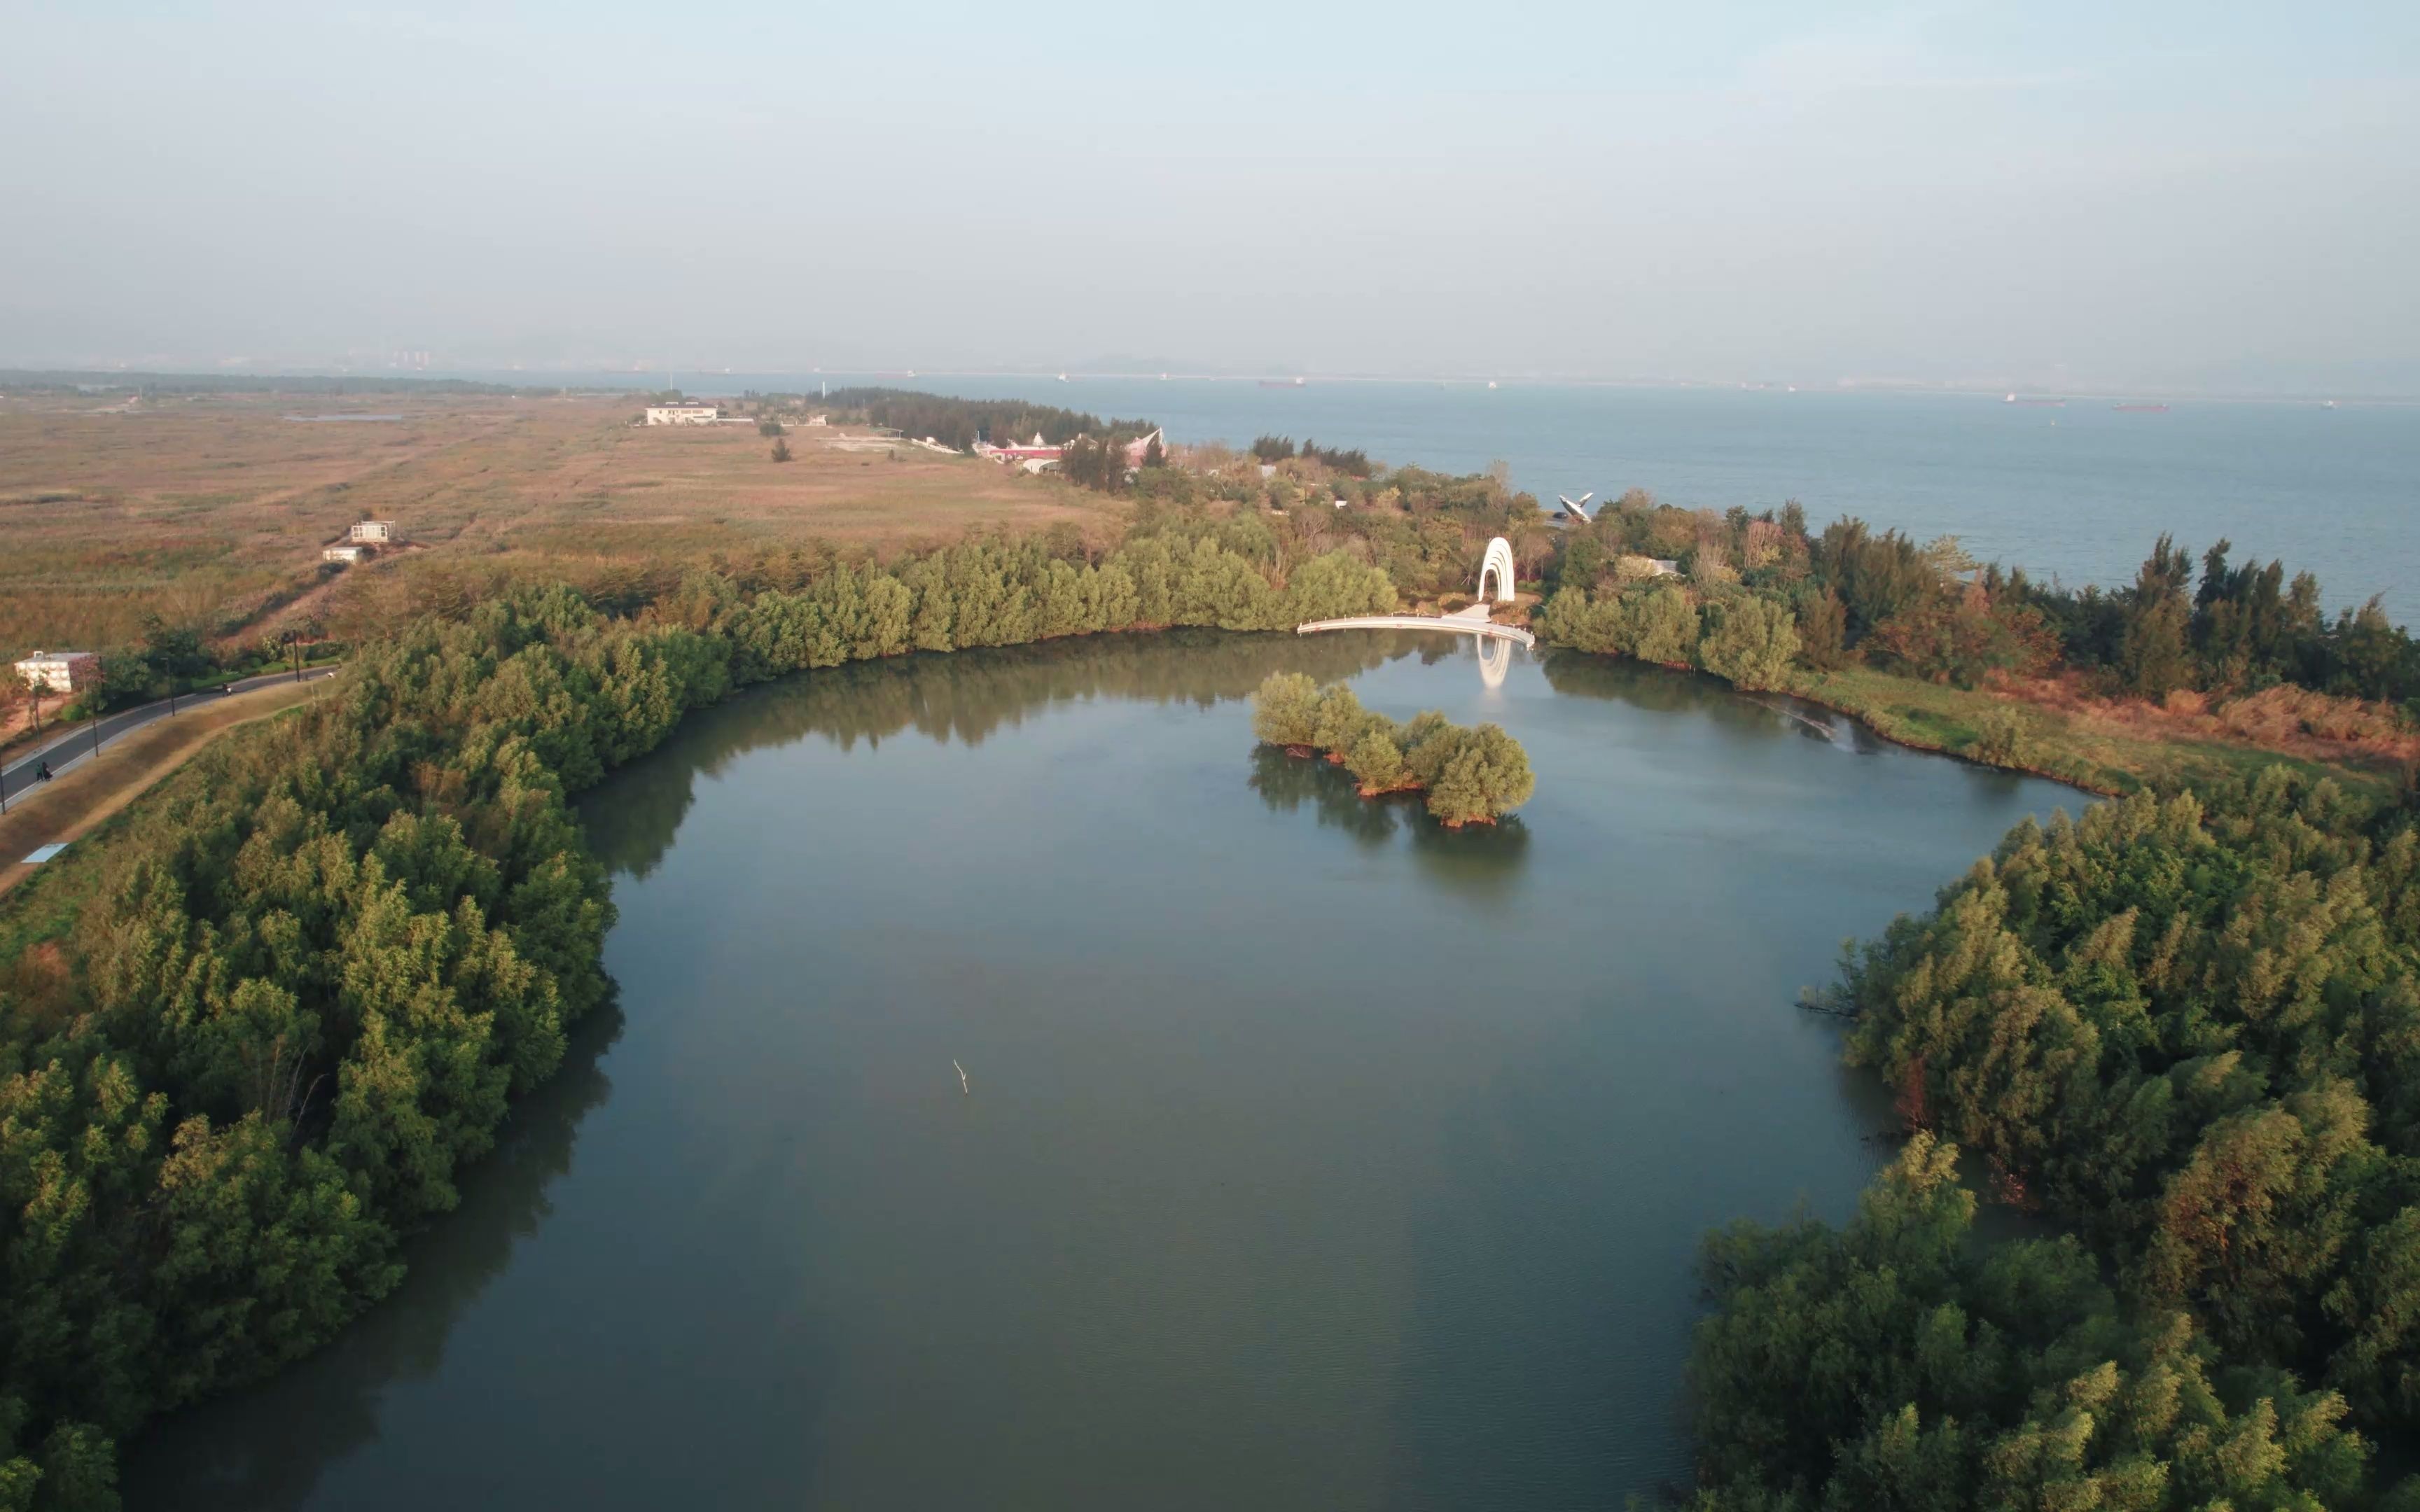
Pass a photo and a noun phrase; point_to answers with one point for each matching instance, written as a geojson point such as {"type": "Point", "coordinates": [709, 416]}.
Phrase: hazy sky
{"type": "Point", "coordinates": [2190, 193]}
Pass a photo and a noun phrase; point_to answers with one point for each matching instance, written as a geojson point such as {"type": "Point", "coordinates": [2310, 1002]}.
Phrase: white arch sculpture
{"type": "Point", "coordinates": [1499, 561]}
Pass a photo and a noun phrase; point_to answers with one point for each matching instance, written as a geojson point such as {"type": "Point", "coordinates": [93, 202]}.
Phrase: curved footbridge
{"type": "Point", "coordinates": [1471, 621]}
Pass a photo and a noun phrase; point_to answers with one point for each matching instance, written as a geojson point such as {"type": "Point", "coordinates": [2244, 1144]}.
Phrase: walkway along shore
{"type": "Point", "coordinates": [73, 746]}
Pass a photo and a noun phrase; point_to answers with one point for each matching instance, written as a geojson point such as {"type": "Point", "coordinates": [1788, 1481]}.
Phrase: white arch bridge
{"type": "Point", "coordinates": [1471, 621]}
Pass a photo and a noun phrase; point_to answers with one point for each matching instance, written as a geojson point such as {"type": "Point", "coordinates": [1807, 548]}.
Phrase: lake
{"type": "Point", "coordinates": [1309, 1156]}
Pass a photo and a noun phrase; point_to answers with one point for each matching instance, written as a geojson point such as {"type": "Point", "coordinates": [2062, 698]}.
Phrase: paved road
{"type": "Point", "coordinates": [66, 751]}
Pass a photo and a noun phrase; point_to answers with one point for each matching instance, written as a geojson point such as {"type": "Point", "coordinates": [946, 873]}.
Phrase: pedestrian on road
{"type": "Point", "coordinates": [43, 775]}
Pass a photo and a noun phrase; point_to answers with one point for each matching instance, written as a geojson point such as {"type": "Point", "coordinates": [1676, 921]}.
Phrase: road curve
{"type": "Point", "coordinates": [72, 746]}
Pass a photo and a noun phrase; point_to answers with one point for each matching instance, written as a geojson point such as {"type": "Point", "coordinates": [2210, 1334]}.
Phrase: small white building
{"type": "Point", "coordinates": [60, 671]}
{"type": "Point", "coordinates": [374, 531]}
{"type": "Point", "coordinates": [685, 412]}
{"type": "Point", "coordinates": [344, 553]}
{"type": "Point", "coordinates": [817, 420]}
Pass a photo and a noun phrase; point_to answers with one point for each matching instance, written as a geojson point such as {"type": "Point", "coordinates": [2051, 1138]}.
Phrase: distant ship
{"type": "Point", "coordinates": [1281, 383]}
{"type": "Point", "coordinates": [2051, 402]}
{"type": "Point", "coordinates": [2140, 409]}
{"type": "Point", "coordinates": [1062, 377]}
{"type": "Point", "coordinates": [1491, 383]}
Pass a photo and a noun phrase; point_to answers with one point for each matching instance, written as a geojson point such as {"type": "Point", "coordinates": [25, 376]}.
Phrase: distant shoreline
{"type": "Point", "coordinates": [596, 380]}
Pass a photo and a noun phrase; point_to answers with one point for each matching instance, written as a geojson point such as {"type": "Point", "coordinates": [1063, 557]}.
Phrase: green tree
{"type": "Point", "coordinates": [1339, 720]}
{"type": "Point", "coordinates": [1663, 625]}
{"type": "Point", "coordinates": [1822, 629]}
{"type": "Point", "coordinates": [1750, 641]}
{"type": "Point", "coordinates": [1285, 711]}
{"type": "Point", "coordinates": [2152, 652]}
{"type": "Point", "coordinates": [1473, 776]}
{"type": "Point", "coordinates": [1376, 762]}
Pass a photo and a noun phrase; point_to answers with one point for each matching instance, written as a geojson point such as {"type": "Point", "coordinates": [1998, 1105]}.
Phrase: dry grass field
{"type": "Point", "coordinates": [211, 511]}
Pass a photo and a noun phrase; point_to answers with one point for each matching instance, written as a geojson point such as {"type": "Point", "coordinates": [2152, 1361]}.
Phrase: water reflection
{"type": "Point", "coordinates": [1479, 861]}
{"type": "Point", "coordinates": [1621, 680]}
{"type": "Point", "coordinates": [1316, 1155]}
{"type": "Point", "coordinates": [1495, 660]}
{"type": "Point", "coordinates": [217, 1457]}
{"type": "Point", "coordinates": [964, 698]}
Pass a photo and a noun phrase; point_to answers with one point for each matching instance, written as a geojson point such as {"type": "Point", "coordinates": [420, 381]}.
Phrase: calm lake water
{"type": "Point", "coordinates": [1311, 1156]}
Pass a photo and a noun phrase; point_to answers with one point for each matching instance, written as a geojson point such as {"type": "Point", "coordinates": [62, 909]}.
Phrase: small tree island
{"type": "Point", "coordinates": [1472, 777]}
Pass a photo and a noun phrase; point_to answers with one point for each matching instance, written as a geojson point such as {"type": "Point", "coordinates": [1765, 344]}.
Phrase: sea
{"type": "Point", "coordinates": [2076, 492]}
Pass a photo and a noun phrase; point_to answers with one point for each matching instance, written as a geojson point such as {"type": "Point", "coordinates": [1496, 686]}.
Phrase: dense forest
{"type": "Point", "coordinates": [318, 969]}
{"type": "Point", "coordinates": [1466, 775]}
{"type": "Point", "coordinates": [2189, 1029]}
{"type": "Point", "coordinates": [1930, 612]}
{"type": "Point", "coordinates": [1894, 1363]}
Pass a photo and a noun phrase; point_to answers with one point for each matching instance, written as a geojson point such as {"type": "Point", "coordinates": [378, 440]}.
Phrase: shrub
{"type": "Point", "coordinates": [1285, 712]}
{"type": "Point", "coordinates": [1999, 738]}
{"type": "Point", "coordinates": [1751, 642]}
{"type": "Point", "coordinates": [1376, 762]}
{"type": "Point", "coordinates": [1664, 626]}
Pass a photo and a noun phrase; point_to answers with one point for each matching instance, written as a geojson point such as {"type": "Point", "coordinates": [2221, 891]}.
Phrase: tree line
{"type": "Point", "coordinates": [1355, 463]}
{"type": "Point", "coordinates": [1931, 611]}
{"type": "Point", "coordinates": [2188, 1029]}
{"type": "Point", "coordinates": [315, 969]}
{"type": "Point", "coordinates": [1467, 776]}
{"type": "Point", "coordinates": [961, 422]}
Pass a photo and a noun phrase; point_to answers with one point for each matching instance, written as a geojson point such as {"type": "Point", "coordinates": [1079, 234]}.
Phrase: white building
{"type": "Point", "coordinates": [817, 420]}
{"type": "Point", "coordinates": [344, 553]}
{"type": "Point", "coordinates": [686, 413]}
{"type": "Point", "coordinates": [60, 671]}
{"type": "Point", "coordinates": [375, 531]}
